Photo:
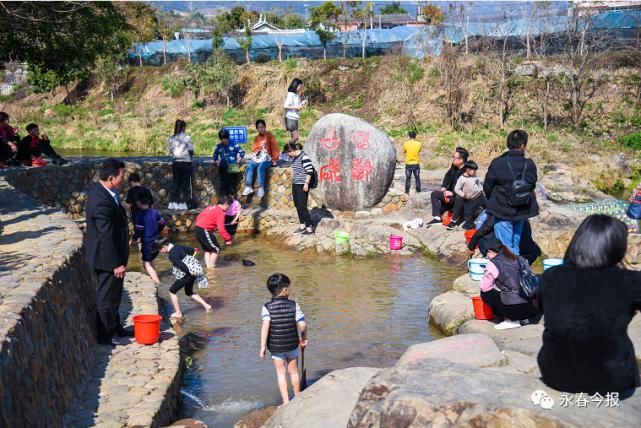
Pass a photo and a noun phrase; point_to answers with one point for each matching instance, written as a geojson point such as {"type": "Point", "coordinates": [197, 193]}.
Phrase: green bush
{"type": "Point", "coordinates": [173, 87]}
{"type": "Point", "coordinates": [632, 140]}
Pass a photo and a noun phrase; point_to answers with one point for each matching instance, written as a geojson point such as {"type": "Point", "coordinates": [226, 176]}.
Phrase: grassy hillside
{"type": "Point", "coordinates": [392, 92]}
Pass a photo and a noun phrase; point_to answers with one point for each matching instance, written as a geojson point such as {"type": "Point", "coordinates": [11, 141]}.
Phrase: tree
{"type": "Point", "coordinates": [433, 14]}
{"type": "Point", "coordinates": [143, 22]}
{"type": "Point", "coordinates": [222, 73]}
{"type": "Point", "coordinates": [245, 42]}
{"type": "Point", "coordinates": [394, 7]}
{"type": "Point", "coordinates": [61, 39]}
{"type": "Point", "coordinates": [325, 37]}
{"type": "Point", "coordinates": [111, 70]}
{"type": "Point", "coordinates": [322, 17]}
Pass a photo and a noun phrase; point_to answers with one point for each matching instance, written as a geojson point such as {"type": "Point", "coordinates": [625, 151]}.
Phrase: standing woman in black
{"type": "Point", "coordinates": [302, 171]}
{"type": "Point", "coordinates": [588, 303]}
{"type": "Point", "coordinates": [182, 150]}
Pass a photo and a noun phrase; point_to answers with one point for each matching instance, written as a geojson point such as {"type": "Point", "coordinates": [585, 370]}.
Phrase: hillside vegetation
{"type": "Point", "coordinates": [450, 104]}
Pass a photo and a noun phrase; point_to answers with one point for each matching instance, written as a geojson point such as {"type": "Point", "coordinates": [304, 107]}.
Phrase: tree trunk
{"type": "Point", "coordinates": [545, 104]}
{"type": "Point", "coordinates": [528, 48]}
{"type": "Point", "coordinates": [575, 101]}
{"type": "Point", "coordinates": [247, 56]}
{"type": "Point", "coordinates": [140, 58]}
{"type": "Point", "coordinates": [363, 44]}
{"type": "Point", "coordinates": [280, 52]}
{"type": "Point", "coordinates": [164, 52]}
{"type": "Point", "coordinates": [324, 53]}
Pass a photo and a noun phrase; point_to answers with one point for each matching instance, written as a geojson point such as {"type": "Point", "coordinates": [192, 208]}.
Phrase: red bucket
{"type": "Point", "coordinates": [468, 235]}
{"type": "Point", "coordinates": [481, 310]}
{"type": "Point", "coordinates": [446, 218]}
{"type": "Point", "coordinates": [147, 329]}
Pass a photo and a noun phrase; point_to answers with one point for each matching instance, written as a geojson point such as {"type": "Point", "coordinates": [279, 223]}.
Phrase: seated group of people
{"type": "Point", "coordinates": [27, 151]}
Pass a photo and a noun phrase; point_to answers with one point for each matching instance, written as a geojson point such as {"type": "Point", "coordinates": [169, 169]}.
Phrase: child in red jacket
{"type": "Point", "coordinates": [210, 219]}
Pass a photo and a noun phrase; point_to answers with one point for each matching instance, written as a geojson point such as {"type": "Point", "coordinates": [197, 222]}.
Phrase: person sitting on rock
{"type": "Point", "coordinates": [33, 146]}
{"type": "Point", "coordinates": [266, 153]}
{"type": "Point", "coordinates": [588, 304]}
{"type": "Point", "coordinates": [443, 199]}
{"type": "Point", "coordinates": [149, 224]}
{"type": "Point", "coordinates": [187, 270]}
{"type": "Point", "coordinates": [9, 140]}
{"type": "Point", "coordinates": [282, 321]}
{"type": "Point", "coordinates": [471, 200]}
{"type": "Point", "coordinates": [500, 287]}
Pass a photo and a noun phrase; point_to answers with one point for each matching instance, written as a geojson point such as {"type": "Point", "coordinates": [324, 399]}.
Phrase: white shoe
{"type": "Point", "coordinates": [172, 206]}
{"type": "Point", "coordinates": [182, 206]}
{"type": "Point", "coordinates": [507, 324]}
{"type": "Point", "coordinates": [261, 192]}
{"type": "Point", "coordinates": [248, 191]}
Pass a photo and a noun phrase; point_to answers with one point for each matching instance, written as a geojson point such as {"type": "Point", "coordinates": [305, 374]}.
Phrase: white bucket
{"type": "Point", "coordinates": [476, 268]}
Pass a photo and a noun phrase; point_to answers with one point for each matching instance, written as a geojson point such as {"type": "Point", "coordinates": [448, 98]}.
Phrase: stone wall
{"type": "Point", "coordinates": [47, 307]}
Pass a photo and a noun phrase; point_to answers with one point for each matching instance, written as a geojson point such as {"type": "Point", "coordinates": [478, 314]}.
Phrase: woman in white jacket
{"type": "Point", "coordinates": [182, 150]}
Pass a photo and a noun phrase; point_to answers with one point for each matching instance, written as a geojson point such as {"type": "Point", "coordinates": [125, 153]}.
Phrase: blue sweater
{"type": "Point", "coordinates": [149, 223]}
{"type": "Point", "coordinates": [226, 154]}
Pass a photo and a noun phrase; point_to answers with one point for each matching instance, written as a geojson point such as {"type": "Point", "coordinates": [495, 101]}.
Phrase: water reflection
{"type": "Point", "coordinates": [360, 312]}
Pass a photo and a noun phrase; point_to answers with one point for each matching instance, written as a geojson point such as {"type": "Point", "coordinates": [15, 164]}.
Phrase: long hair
{"type": "Point", "coordinates": [179, 126]}
{"type": "Point", "coordinates": [293, 87]}
{"type": "Point", "coordinates": [600, 242]}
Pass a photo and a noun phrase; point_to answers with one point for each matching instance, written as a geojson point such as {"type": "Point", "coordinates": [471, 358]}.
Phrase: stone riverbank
{"type": "Point", "coordinates": [50, 364]}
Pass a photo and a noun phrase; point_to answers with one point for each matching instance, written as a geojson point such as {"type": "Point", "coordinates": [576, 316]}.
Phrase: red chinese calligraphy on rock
{"type": "Point", "coordinates": [331, 172]}
{"type": "Point", "coordinates": [361, 170]}
{"type": "Point", "coordinates": [331, 142]}
{"type": "Point", "coordinates": [360, 139]}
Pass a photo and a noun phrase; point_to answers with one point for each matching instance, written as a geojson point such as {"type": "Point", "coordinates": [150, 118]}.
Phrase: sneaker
{"type": "Point", "coordinates": [301, 230]}
{"type": "Point", "coordinates": [435, 220]}
{"type": "Point", "coordinates": [248, 191]}
{"type": "Point", "coordinates": [452, 226]}
{"type": "Point", "coordinates": [507, 324]}
{"type": "Point", "coordinates": [120, 341]}
{"type": "Point", "coordinates": [171, 206]}
{"type": "Point", "coordinates": [182, 206]}
{"type": "Point", "coordinates": [307, 232]}
{"type": "Point", "coordinates": [261, 192]}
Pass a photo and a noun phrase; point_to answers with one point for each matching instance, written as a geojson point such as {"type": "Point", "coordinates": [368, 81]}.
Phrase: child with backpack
{"type": "Point", "coordinates": [187, 270]}
{"type": "Point", "coordinates": [500, 288]}
{"type": "Point", "coordinates": [148, 225]}
{"type": "Point", "coordinates": [282, 322]}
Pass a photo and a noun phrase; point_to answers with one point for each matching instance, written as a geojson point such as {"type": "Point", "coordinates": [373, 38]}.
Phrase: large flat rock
{"type": "Point", "coordinates": [526, 340]}
{"type": "Point", "coordinates": [441, 393]}
{"type": "Point", "coordinates": [450, 310]}
{"type": "Point", "coordinates": [457, 349]}
{"type": "Point", "coordinates": [327, 403]}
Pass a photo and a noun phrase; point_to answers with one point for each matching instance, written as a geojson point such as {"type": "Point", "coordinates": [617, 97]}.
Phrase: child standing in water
{"type": "Point", "coordinates": [232, 215]}
{"type": "Point", "coordinates": [282, 320]}
{"type": "Point", "coordinates": [148, 224]}
{"type": "Point", "coordinates": [187, 270]}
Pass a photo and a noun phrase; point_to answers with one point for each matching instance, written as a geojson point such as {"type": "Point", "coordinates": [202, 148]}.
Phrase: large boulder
{"type": "Point", "coordinates": [355, 161]}
{"type": "Point", "coordinates": [457, 349]}
{"type": "Point", "coordinates": [450, 310]}
{"type": "Point", "coordinates": [327, 403]}
{"type": "Point", "coordinates": [437, 392]}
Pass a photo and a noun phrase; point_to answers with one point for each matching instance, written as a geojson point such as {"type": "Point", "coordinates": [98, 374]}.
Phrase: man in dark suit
{"type": "Point", "coordinates": [107, 249]}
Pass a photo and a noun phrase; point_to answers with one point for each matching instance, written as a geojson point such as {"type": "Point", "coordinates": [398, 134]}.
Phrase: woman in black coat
{"type": "Point", "coordinates": [588, 303]}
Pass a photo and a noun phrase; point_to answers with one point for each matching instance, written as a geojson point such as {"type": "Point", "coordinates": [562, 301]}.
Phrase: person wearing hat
{"type": "Point", "coordinates": [500, 287]}
{"type": "Point", "coordinates": [471, 200]}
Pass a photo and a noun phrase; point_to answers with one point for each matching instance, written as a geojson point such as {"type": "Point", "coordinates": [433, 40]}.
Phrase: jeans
{"type": "Point", "coordinates": [416, 171]}
{"type": "Point", "coordinates": [262, 169]}
{"type": "Point", "coordinates": [300, 202]}
{"type": "Point", "coordinates": [509, 233]}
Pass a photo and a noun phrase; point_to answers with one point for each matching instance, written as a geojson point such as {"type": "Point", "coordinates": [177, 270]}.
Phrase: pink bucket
{"type": "Point", "coordinates": [395, 242]}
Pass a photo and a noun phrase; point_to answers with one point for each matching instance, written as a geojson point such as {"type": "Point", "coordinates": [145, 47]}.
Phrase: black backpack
{"type": "Point", "coordinates": [518, 194]}
{"type": "Point", "coordinates": [313, 183]}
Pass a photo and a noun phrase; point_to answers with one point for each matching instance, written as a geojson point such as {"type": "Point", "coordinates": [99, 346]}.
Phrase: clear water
{"type": "Point", "coordinates": [360, 312]}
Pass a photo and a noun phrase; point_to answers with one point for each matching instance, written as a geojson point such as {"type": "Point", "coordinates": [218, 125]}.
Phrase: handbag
{"type": "Point", "coordinates": [634, 210]}
{"type": "Point", "coordinates": [233, 168]}
{"type": "Point", "coordinates": [528, 283]}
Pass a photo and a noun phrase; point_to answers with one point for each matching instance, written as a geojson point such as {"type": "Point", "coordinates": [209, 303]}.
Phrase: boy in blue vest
{"type": "Point", "coordinates": [282, 320]}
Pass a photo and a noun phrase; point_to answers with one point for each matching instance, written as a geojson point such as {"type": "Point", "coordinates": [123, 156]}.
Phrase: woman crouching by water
{"type": "Point", "coordinates": [587, 304]}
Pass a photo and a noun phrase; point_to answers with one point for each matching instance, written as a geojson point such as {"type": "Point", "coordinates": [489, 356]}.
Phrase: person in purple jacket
{"type": "Point", "coordinates": [147, 226]}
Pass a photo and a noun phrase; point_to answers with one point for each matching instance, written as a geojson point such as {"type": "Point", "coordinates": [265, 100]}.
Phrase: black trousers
{"type": "Point", "coordinates": [300, 197]}
{"type": "Point", "coordinates": [465, 209]}
{"type": "Point", "coordinates": [518, 312]}
{"type": "Point", "coordinates": [228, 181]}
{"type": "Point", "coordinates": [109, 294]}
{"type": "Point", "coordinates": [182, 172]}
{"type": "Point", "coordinates": [187, 282]}
{"type": "Point", "coordinates": [231, 228]}
{"type": "Point", "coordinates": [5, 152]}
{"type": "Point", "coordinates": [438, 203]}
{"type": "Point", "coordinates": [409, 171]}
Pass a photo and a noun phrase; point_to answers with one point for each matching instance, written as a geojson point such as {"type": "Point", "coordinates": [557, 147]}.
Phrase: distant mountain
{"type": "Point", "coordinates": [477, 11]}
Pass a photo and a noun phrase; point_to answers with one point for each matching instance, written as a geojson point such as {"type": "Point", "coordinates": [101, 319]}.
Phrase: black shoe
{"type": "Point", "coordinates": [452, 226]}
{"type": "Point", "coordinates": [300, 230]}
{"type": "Point", "coordinates": [122, 332]}
{"type": "Point", "coordinates": [307, 232]}
{"type": "Point", "coordinates": [434, 221]}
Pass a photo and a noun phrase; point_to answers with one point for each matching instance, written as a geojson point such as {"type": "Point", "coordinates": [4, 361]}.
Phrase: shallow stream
{"type": "Point", "coordinates": [360, 312]}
